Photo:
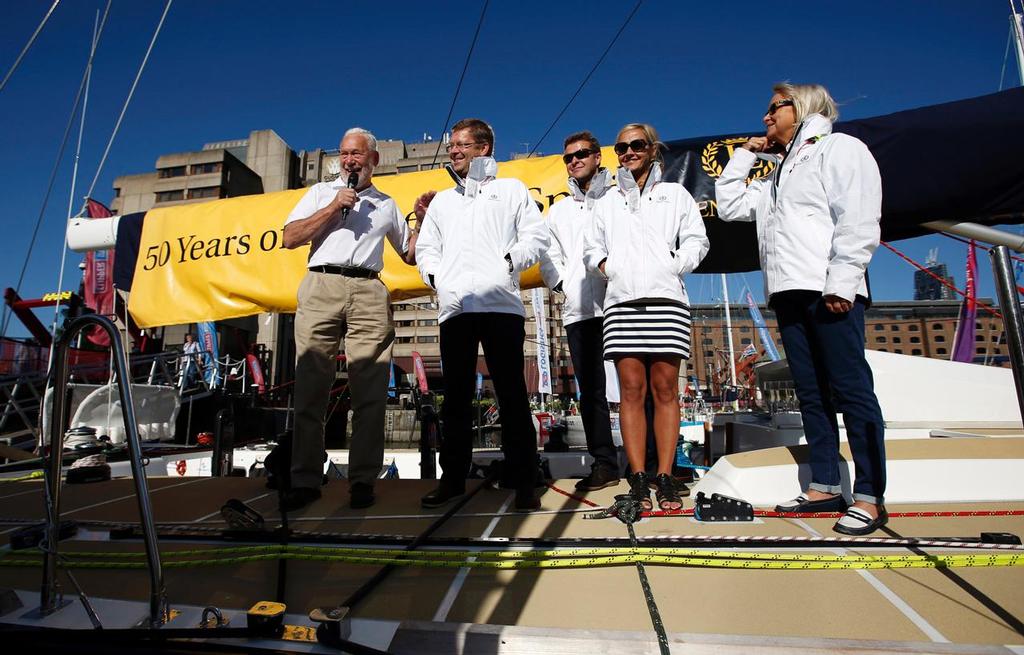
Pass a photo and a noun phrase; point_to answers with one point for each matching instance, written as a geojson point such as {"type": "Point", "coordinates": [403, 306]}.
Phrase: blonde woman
{"type": "Point", "coordinates": [817, 227]}
{"type": "Point", "coordinates": [647, 234]}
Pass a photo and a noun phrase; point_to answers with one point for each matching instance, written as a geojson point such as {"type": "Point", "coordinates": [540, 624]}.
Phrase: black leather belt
{"type": "Point", "coordinates": [347, 271]}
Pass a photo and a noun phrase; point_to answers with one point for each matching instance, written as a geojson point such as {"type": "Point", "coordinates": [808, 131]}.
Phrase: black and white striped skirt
{"type": "Point", "coordinates": [647, 327]}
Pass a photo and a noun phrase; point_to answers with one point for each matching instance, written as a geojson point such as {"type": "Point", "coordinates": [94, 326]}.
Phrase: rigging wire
{"type": "Point", "coordinates": [941, 280]}
{"type": "Point", "coordinates": [53, 177]}
{"type": "Point", "coordinates": [31, 40]}
{"type": "Point", "coordinates": [127, 101]}
{"type": "Point", "coordinates": [458, 87]}
{"type": "Point", "coordinates": [587, 78]}
{"type": "Point", "coordinates": [1006, 56]}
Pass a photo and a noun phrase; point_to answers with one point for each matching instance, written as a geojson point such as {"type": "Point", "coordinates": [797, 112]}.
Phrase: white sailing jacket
{"type": "Point", "coordinates": [817, 213]}
{"type": "Point", "coordinates": [568, 220]}
{"type": "Point", "coordinates": [647, 241]}
{"type": "Point", "coordinates": [466, 234]}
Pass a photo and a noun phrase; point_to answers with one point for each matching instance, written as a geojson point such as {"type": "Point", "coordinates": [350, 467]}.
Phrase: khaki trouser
{"type": "Point", "coordinates": [358, 310]}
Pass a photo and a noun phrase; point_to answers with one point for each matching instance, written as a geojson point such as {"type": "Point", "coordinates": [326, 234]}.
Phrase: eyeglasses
{"type": "Point", "coordinates": [461, 147]}
{"type": "Point", "coordinates": [582, 153]}
{"type": "Point", "coordinates": [636, 145]}
{"type": "Point", "coordinates": [772, 108]}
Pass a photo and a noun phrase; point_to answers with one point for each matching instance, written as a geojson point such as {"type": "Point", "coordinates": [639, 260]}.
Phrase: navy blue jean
{"type": "Point", "coordinates": [825, 352]}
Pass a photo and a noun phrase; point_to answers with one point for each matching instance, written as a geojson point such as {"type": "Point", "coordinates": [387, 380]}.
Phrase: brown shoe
{"type": "Point", "coordinates": [600, 477]}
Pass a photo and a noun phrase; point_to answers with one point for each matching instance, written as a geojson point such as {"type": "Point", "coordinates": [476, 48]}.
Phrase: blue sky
{"type": "Point", "coordinates": [310, 69]}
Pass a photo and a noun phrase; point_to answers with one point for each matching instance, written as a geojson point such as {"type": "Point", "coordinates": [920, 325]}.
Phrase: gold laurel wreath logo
{"type": "Point", "coordinates": [713, 165]}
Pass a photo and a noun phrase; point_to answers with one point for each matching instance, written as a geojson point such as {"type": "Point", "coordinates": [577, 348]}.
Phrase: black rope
{"type": "Point", "coordinates": [587, 78]}
{"type": "Point", "coordinates": [652, 606]}
{"type": "Point", "coordinates": [458, 87]}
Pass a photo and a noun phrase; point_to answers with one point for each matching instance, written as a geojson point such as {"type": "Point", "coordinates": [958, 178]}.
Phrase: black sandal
{"type": "Point", "coordinates": [666, 493]}
{"type": "Point", "coordinates": [639, 490]}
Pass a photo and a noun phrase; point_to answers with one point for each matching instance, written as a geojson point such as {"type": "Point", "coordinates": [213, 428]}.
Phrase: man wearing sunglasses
{"type": "Point", "coordinates": [563, 271]}
{"type": "Point", "coordinates": [475, 240]}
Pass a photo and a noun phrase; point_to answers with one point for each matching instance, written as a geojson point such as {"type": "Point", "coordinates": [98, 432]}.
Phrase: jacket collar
{"type": "Point", "coordinates": [813, 126]}
{"type": "Point", "coordinates": [628, 186]}
{"type": "Point", "coordinates": [481, 171]}
{"type": "Point", "coordinates": [599, 184]}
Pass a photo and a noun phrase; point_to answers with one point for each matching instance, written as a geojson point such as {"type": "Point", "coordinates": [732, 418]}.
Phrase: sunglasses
{"type": "Point", "coordinates": [582, 153]}
{"type": "Point", "coordinates": [636, 145]}
{"type": "Point", "coordinates": [772, 108]}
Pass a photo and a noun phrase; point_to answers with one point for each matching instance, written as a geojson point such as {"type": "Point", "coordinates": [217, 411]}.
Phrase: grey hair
{"type": "Point", "coordinates": [366, 134]}
{"type": "Point", "coordinates": [809, 99]}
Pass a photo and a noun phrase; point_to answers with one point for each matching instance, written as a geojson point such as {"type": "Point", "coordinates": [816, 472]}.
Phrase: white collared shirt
{"type": "Point", "coordinates": [358, 240]}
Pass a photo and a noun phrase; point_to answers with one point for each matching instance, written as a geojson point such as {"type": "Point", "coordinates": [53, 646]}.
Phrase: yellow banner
{"type": "Point", "coordinates": [224, 259]}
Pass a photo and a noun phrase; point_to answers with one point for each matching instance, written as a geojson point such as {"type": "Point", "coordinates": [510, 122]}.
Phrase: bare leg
{"type": "Point", "coordinates": [633, 422]}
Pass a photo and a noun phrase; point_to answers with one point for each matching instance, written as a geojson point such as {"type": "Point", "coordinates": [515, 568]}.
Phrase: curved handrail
{"type": "Point", "coordinates": [49, 599]}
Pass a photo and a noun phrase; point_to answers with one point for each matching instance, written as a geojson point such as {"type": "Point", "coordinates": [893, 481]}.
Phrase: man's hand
{"type": "Point", "coordinates": [346, 199]}
{"type": "Point", "coordinates": [757, 144]}
{"type": "Point", "coordinates": [837, 305]}
{"type": "Point", "coordinates": [421, 204]}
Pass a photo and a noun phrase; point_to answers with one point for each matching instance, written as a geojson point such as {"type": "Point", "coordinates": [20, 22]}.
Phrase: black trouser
{"type": "Point", "coordinates": [502, 337]}
{"type": "Point", "coordinates": [586, 348]}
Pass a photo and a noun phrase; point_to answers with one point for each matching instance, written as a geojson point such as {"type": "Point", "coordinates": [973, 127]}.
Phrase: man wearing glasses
{"type": "Point", "coordinates": [475, 240]}
{"type": "Point", "coordinates": [582, 315]}
{"type": "Point", "coordinates": [342, 298]}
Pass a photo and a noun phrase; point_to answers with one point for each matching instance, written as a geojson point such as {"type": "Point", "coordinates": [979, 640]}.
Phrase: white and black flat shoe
{"type": "Point", "coordinates": [856, 522]}
{"type": "Point", "coordinates": [803, 504]}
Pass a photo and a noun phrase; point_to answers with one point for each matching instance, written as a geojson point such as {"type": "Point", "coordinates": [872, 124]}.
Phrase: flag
{"type": "Point", "coordinates": [391, 380]}
{"type": "Point", "coordinates": [479, 384]}
{"type": "Point", "coordinates": [963, 342]}
{"type": "Point", "coordinates": [748, 351]}
{"type": "Point", "coordinates": [207, 333]}
{"type": "Point", "coordinates": [543, 359]}
{"type": "Point", "coordinates": [762, 329]}
{"type": "Point", "coordinates": [98, 279]}
{"type": "Point", "coordinates": [421, 373]}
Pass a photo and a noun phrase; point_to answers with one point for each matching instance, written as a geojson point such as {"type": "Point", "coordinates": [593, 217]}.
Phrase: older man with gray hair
{"type": "Point", "coordinates": [342, 298]}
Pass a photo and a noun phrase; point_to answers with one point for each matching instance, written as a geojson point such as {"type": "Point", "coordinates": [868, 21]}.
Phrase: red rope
{"type": "Point", "coordinates": [985, 248]}
{"type": "Point", "coordinates": [943, 282]}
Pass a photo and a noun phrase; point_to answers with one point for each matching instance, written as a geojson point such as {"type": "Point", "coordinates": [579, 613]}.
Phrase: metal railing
{"type": "Point", "coordinates": [50, 597]}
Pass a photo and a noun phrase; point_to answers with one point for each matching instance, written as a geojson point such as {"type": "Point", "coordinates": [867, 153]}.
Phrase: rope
{"type": "Point", "coordinates": [131, 92]}
{"type": "Point", "coordinates": [943, 282]}
{"type": "Point", "coordinates": [587, 78]}
{"type": "Point", "coordinates": [31, 40]}
{"type": "Point", "coordinates": [458, 87]}
{"type": "Point", "coordinates": [35, 475]}
{"type": "Point", "coordinates": [518, 560]}
{"type": "Point", "coordinates": [1020, 289]}
{"type": "Point", "coordinates": [49, 184]}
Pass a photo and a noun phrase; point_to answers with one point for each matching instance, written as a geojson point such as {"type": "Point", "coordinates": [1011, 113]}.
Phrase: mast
{"type": "Point", "coordinates": [1017, 29]}
{"type": "Point", "coordinates": [728, 334]}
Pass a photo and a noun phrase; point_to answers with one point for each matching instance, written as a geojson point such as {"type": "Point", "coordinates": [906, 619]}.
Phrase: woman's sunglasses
{"type": "Point", "coordinates": [636, 145]}
{"type": "Point", "coordinates": [772, 108]}
{"type": "Point", "coordinates": [582, 153]}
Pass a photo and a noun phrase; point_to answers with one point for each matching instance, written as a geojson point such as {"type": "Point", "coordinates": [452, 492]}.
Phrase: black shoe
{"type": "Point", "coordinates": [599, 478]}
{"type": "Point", "coordinates": [361, 495]}
{"type": "Point", "coordinates": [856, 522]}
{"type": "Point", "coordinates": [444, 494]}
{"type": "Point", "coordinates": [666, 493]}
{"type": "Point", "coordinates": [299, 497]}
{"type": "Point", "coordinates": [803, 504]}
{"type": "Point", "coordinates": [526, 499]}
{"type": "Point", "coordinates": [640, 490]}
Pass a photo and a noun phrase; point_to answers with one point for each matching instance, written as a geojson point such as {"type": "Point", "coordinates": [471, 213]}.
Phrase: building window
{"type": "Point", "coordinates": [979, 326]}
{"type": "Point", "coordinates": [408, 169]}
{"type": "Point", "coordinates": [914, 328]}
{"type": "Point", "coordinates": [898, 351]}
{"type": "Point", "coordinates": [940, 351]}
{"type": "Point", "coordinates": [404, 323]}
{"type": "Point", "coordinates": [403, 339]}
{"type": "Point", "coordinates": [310, 166]}
{"type": "Point", "coordinates": [979, 351]}
{"type": "Point", "coordinates": [979, 337]}
{"type": "Point", "coordinates": [915, 351]}
{"type": "Point", "coordinates": [915, 339]}
{"type": "Point", "coordinates": [707, 342]}
{"type": "Point", "coordinates": [427, 321]}
{"type": "Point", "coordinates": [173, 171]}
{"type": "Point", "coordinates": [706, 329]}
{"type": "Point", "coordinates": [936, 326]}
{"type": "Point", "coordinates": [117, 192]}
{"type": "Point", "coordinates": [744, 342]}
{"type": "Point", "coordinates": [204, 192]}
{"type": "Point", "coordinates": [426, 339]}
{"type": "Point", "coordinates": [882, 350]}
{"type": "Point", "coordinates": [897, 340]}
{"type": "Point", "coordinates": [894, 328]}
{"type": "Point", "coordinates": [880, 339]}
{"type": "Point", "coordinates": [995, 338]}
{"type": "Point", "coordinates": [879, 327]}
{"type": "Point", "coordinates": [709, 353]}
{"type": "Point", "coordinates": [939, 338]}
{"type": "Point", "coordinates": [203, 169]}
{"type": "Point", "coordinates": [744, 329]}
{"type": "Point", "coordinates": [170, 196]}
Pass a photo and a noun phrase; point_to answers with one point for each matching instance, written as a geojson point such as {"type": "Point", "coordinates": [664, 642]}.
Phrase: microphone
{"type": "Point", "coordinates": [353, 180]}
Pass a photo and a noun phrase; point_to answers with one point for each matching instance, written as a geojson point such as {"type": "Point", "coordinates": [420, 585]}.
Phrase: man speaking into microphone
{"type": "Point", "coordinates": [342, 300]}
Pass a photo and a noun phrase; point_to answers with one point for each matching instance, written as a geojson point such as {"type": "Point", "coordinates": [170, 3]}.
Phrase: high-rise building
{"type": "Point", "coordinates": [926, 286]}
